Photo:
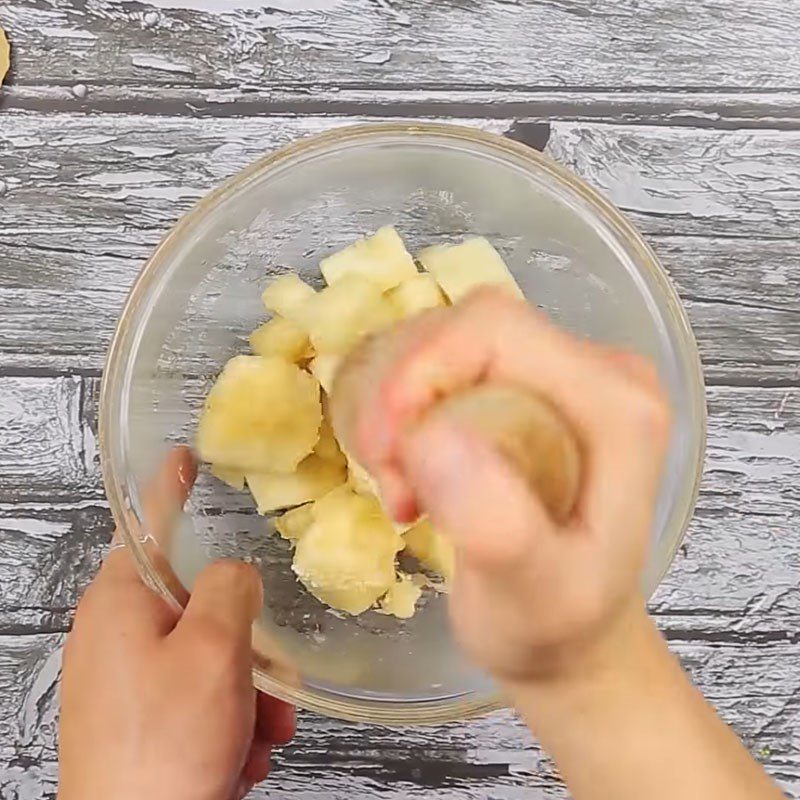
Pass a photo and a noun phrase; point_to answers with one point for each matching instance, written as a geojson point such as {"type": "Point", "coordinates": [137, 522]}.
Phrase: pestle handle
{"type": "Point", "coordinates": [522, 427]}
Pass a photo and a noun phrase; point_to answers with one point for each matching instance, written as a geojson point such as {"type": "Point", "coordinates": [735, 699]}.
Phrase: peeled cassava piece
{"type": "Point", "coordinates": [280, 337]}
{"type": "Point", "coordinates": [346, 557]}
{"type": "Point", "coordinates": [295, 522]}
{"type": "Point", "coordinates": [401, 599]}
{"type": "Point", "coordinates": [433, 550]}
{"type": "Point", "coordinates": [344, 312]}
{"type": "Point", "coordinates": [287, 296]}
{"type": "Point", "coordinates": [262, 415]}
{"type": "Point", "coordinates": [313, 478]}
{"type": "Point", "coordinates": [327, 448]}
{"type": "Point", "coordinates": [460, 268]}
{"type": "Point", "coordinates": [323, 368]}
{"type": "Point", "coordinates": [416, 294]}
{"type": "Point", "coordinates": [381, 258]}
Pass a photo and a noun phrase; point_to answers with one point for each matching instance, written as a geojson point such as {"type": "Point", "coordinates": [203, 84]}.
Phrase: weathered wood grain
{"type": "Point", "coordinates": [493, 757]}
{"type": "Point", "coordinates": [739, 571]}
{"type": "Point", "coordinates": [671, 180]}
{"type": "Point", "coordinates": [680, 180]}
{"type": "Point", "coordinates": [48, 554]}
{"type": "Point", "coordinates": [122, 182]}
{"type": "Point", "coordinates": [644, 44]}
{"type": "Point", "coordinates": [775, 110]}
{"type": "Point", "coordinates": [46, 450]}
{"type": "Point", "coordinates": [740, 295]}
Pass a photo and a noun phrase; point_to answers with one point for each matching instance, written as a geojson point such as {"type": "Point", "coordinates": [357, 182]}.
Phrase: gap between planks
{"type": "Point", "coordinates": [776, 110]}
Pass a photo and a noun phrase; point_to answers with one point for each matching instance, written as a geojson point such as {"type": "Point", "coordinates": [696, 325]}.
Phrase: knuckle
{"type": "Point", "coordinates": [403, 387]}
{"type": "Point", "coordinates": [230, 579]}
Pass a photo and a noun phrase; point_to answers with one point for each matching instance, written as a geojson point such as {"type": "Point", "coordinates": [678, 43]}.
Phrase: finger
{"type": "Point", "coordinates": [118, 567]}
{"type": "Point", "coordinates": [127, 608]}
{"type": "Point", "coordinates": [475, 496]}
{"type": "Point", "coordinates": [646, 412]}
{"type": "Point", "coordinates": [276, 721]}
{"type": "Point", "coordinates": [357, 402]}
{"type": "Point", "coordinates": [226, 598]}
{"type": "Point", "coordinates": [275, 725]}
{"type": "Point", "coordinates": [118, 600]}
{"type": "Point", "coordinates": [492, 336]}
{"type": "Point", "coordinates": [162, 499]}
{"type": "Point", "coordinates": [256, 766]}
{"type": "Point", "coordinates": [118, 595]}
{"type": "Point", "coordinates": [166, 495]}
{"type": "Point", "coordinates": [358, 380]}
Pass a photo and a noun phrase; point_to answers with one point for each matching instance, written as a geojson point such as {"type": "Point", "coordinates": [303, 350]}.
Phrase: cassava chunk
{"type": "Point", "coordinates": [313, 478]}
{"type": "Point", "coordinates": [430, 548]}
{"type": "Point", "coordinates": [382, 258]}
{"type": "Point", "coordinates": [460, 268]}
{"type": "Point", "coordinates": [295, 522]}
{"type": "Point", "coordinates": [286, 296]}
{"type": "Point", "coordinates": [280, 337]}
{"type": "Point", "coordinates": [262, 415]}
{"type": "Point", "coordinates": [346, 557]}
{"type": "Point", "coordinates": [415, 295]}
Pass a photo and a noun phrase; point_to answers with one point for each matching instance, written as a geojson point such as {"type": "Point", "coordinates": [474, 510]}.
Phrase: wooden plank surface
{"type": "Point", "coordinates": [492, 757]}
{"type": "Point", "coordinates": [120, 115]}
{"type": "Point", "coordinates": [122, 182]}
{"type": "Point", "coordinates": [125, 169]}
{"type": "Point", "coordinates": [632, 43]}
{"type": "Point", "coordinates": [722, 110]}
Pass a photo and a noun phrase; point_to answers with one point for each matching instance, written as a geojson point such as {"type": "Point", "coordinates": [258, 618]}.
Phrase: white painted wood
{"type": "Point", "coordinates": [644, 44]}
{"type": "Point", "coordinates": [672, 180]}
{"type": "Point", "coordinates": [494, 756]}
{"type": "Point", "coordinates": [733, 183]}
{"type": "Point", "coordinates": [44, 444]}
{"type": "Point", "coordinates": [122, 181]}
{"type": "Point", "coordinates": [730, 601]}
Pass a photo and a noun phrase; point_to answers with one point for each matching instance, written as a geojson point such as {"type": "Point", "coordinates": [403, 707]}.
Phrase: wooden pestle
{"type": "Point", "coordinates": [522, 427]}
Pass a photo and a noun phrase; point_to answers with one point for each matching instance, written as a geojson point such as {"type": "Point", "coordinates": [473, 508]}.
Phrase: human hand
{"type": "Point", "coordinates": [531, 599]}
{"type": "Point", "coordinates": [158, 704]}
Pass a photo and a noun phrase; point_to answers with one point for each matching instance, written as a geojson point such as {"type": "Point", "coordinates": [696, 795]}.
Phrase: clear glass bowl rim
{"type": "Point", "coordinates": [367, 710]}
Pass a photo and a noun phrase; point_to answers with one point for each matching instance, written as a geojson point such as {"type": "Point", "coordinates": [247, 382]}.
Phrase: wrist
{"type": "Point", "coordinates": [626, 722]}
{"type": "Point", "coordinates": [619, 654]}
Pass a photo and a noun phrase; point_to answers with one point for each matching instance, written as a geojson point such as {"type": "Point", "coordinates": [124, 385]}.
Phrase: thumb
{"type": "Point", "coordinates": [473, 494]}
{"type": "Point", "coordinates": [226, 598]}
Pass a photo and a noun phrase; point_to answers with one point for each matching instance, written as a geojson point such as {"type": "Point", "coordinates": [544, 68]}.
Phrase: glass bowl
{"type": "Point", "coordinates": [197, 298]}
